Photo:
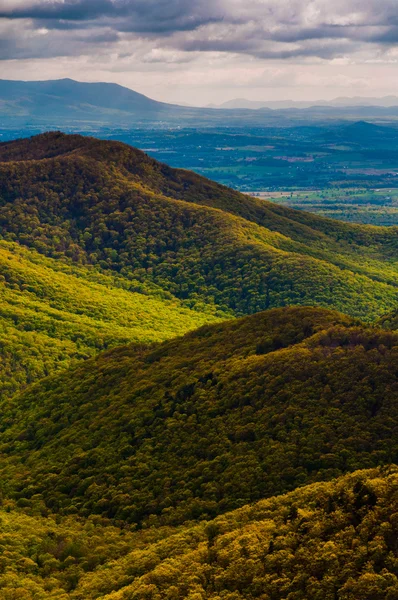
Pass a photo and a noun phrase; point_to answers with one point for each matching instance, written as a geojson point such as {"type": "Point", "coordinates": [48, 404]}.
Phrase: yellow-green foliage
{"type": "Point", "coordinates": [389, 321]}
{"type": "Point", "coordinates": [109, 205]}
{"type": "Point", "coordinates": [320, 542]}
{"type": "Point", "coordinates": [52, 313]}
{"type": "Point", "coordinates": [121, 462]}
{"type": "Point", "coordinates": [45, 557]}
{"type": "Point", "coordinates": [199, 425]}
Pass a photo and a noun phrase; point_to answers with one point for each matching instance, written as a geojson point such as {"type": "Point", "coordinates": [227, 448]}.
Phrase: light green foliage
{"type": "Point", "coordinates": [45, 557]}
{"type": "Point", "coordinates": [52, 313]}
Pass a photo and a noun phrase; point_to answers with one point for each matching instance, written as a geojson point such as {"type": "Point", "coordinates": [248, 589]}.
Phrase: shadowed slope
{"type": "Point", "coordinates": [202, 424]}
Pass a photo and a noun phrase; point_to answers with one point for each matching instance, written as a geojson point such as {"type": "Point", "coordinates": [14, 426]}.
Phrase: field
{"type": "Point", "coordinates": [340, 169]}
{"type": "Point", "coordinates": [348, 156]}
{"type": "Point", "coordinates": [357, 205]}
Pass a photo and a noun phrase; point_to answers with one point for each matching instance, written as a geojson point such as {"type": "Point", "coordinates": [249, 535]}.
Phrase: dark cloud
{"type": "Point", "coordinates": [270, 50]}
{"type": "Point", "coordinates": [43, 46]}
{"type": "Point", "coordinates": [388, 36]}
{"type": "Point", "coordinates": [150, 16]}
{"type": "Point", "coordinates": [71, 10]}
{"type": "Point", "coordinates": [260, 28]}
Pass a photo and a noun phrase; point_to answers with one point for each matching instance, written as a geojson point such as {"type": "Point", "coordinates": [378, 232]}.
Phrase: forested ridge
{"type": "Point", "coordinates": [111, 206]}
{"type": "Point", "coordinates": [202, 424]}
{"type": "Point", "coordinates": [162, 436]}
{"type": "Point", "coordinates": [323, 541]}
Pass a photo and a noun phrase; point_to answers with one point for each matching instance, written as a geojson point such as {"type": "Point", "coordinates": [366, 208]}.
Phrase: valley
{"type": "Point", "coordinates": [339, 161]}
{"type": "Point", "coordinates": [197, 387]}
{"type": "Point", "coordinates": [354, 205]}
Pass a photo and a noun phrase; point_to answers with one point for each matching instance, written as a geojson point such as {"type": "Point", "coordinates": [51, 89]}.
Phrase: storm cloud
{"type": "Point", "coordinates": [283, 29]}
{"type": "Point", "coordinates": [201, 51]}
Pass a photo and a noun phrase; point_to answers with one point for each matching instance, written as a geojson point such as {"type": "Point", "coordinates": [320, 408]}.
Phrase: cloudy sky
{"type": "Point", "coordinates": [202, 51]}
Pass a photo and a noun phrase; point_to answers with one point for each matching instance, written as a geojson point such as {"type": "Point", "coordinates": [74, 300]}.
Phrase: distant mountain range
{"type": "Point", "coordinates": [68, 103]}
{"type": "Point", "coordinates": [69, 98]}
{"type": "Point", "coordinates": [341, 102]}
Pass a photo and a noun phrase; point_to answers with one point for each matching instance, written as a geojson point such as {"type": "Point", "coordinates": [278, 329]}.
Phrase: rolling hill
{"type": "Point", "coordinates": [108, 205]}
{"type": "Point", "coordinates": [345, 102]}
{"type": "Point", "coordinates": [361, 134]}
{"type": "Point", "coordinates": [132, 474]}
{"type": "Point", "coordinates": [326, 540]}
{"type": "Point", "coordinates": [52, 313]}
{"type": "Point", "coordinates": [199, 425]}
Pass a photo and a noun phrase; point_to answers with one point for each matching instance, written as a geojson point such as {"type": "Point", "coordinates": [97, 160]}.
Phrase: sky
{"type": "Point", "coordinates": [207, 51]}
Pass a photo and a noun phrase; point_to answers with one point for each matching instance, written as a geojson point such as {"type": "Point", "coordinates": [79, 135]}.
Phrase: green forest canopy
{"type": "Point", "coordinates": [118, 473]}
{"type": "Point", "coordinates": [320, 542]}
{"type": "Point", "coordinates": [226, 415]}
{"type": "Point", "coordinates": [52, 313]}
{"type": "Point", "coordinates": [103, 246]}
{"type": "Point", "coordinates": [109, 205]}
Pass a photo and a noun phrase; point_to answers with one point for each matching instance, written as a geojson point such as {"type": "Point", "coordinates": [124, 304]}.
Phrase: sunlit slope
{"type": "Point", "coordinates": [325, 540]}
{"type": "Point", "coordinates": [52, 313]}
{"type": "Point", "coordinates": [202, 424]}
{"type": "Point", "coordinates": [328, 540]}
{"type": "Point", "coordinates": [109, 205]}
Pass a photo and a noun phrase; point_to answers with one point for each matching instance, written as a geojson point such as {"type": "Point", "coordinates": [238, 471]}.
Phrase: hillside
{"type": "Point", "coordinates": [108, 205]}
{"type": "Point", "coordinates": [68, 99]}
{"type": "Point", "coordinates": [327, 540]}
{"type": "Point", "coordinates": [335, 540]}
{"type": "Point", "coordinates": [52, 313]}
{"type": "Point", "coordinates": [199, 425]}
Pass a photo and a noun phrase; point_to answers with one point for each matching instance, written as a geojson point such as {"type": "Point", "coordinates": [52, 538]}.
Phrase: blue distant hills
{"type": "Point", "coordinates": [65, 102]}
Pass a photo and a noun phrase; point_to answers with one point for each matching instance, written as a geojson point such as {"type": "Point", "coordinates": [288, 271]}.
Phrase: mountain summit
{"type": "Point", "coordinates": [111, 206]}
{"type": "Point", "coordinates": [66, 100]}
